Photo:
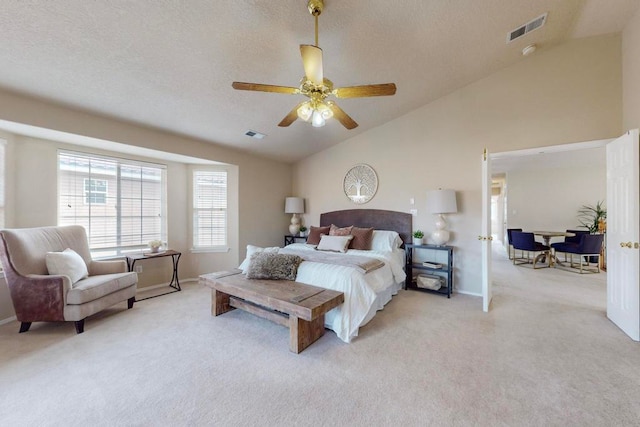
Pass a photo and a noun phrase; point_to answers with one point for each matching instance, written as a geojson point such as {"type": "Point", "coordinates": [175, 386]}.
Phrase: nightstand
{"type": "Point", "coordinates": [289, 239]}
{"type": "Point", "coordinates": [438, 261]}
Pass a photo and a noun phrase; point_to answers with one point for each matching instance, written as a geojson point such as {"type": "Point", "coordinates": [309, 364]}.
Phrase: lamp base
{"type": "Point", "coordinates": [294, 227]}
{"type": "Point", "coordinates": [440, 237]}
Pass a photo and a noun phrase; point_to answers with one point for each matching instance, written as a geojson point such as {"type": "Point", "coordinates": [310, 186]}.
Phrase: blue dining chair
{"type": "Point", "coordinates": [526, 242]}
{"type": "Point", "coordinates": [587, 250]}
{"type": "Point", "coordinates": [570, 242]}
{"type": "Point", "coordinates": [510, 245]}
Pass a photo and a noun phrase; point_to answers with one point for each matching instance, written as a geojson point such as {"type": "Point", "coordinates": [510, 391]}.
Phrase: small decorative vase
{"type": "Point", "coordinates": [417, 240]}
{"type": "Point", "coordinates": [154, 249]}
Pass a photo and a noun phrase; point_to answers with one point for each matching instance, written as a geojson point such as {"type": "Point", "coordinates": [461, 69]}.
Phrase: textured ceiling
{"type": "Point", "coordinates": [169, 64]}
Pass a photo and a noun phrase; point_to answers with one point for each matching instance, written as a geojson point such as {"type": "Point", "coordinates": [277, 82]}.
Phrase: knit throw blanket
{"type": "Point", "coordinates": [361, 263]}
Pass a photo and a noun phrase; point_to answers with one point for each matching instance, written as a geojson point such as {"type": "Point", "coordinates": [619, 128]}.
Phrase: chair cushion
{"type": "Point", "coordinates": [66, 263]}
{"type": "Point", "coordinates": [565, 247]}
{"type": "Point", "coordinates": [540, 247]}
{"type": "Point", "coordinates": [94, 287]}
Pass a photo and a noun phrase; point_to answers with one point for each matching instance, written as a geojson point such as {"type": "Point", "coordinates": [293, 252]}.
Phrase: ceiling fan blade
{"type": "Point", "coordinates": [291, 117]}
{"type": "Point", "coordinates": [341, 116]}
{"type": "Point", "coordinates": [383, 89]}
{"type": "Point", "coordinates": [265, 88]}
{"type": "Point", "coordinates": [312, 63]}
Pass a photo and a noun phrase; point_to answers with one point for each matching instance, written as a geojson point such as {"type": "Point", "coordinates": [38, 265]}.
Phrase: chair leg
{"type": "Point", "coordinates": [130, 302]}
{"type": "Point", "coordinates": [79, 326]}
{"type": "Point", "coordinates": [24, 327]}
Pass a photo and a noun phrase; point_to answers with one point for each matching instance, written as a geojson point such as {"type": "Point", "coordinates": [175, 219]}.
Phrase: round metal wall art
{"type": "Point", "coordinates": [360, 183]}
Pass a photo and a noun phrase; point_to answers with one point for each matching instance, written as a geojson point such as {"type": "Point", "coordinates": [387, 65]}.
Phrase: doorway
{"type": "Point", "coordinates": [542, 189]}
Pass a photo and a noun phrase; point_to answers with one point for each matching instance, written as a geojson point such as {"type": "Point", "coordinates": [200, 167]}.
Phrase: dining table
{"type": "Point", "coordinates": [547, 235]}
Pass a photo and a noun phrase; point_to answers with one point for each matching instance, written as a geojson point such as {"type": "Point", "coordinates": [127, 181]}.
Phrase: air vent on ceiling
{"type": "Point", "coordinates": [527, 28]}
{"type": "Point", "coordinates": [254, 134]}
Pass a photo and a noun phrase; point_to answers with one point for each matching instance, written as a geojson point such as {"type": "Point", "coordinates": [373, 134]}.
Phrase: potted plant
{"type": "Point", "coordinates": [592, 217]}
{"type": "Point", "coordinates": [417, 237]}
{"type": "Point", "coordinates": [303, 231]}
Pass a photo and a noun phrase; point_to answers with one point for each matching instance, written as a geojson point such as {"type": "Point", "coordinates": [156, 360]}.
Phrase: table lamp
{"type": "Point", "coordinates": [295, 206]}
{"type": "Point", "coordinates": [441, 202]}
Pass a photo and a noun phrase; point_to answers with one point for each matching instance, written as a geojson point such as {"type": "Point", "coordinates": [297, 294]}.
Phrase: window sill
{"type": "Point", "coordinates": [209, 250]}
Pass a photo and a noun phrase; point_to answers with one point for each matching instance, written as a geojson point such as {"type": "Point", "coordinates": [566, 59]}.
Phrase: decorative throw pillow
{"type": "Point", "coordinates": [254, 250]}
{"type": "Point", "coordinates": [337, 231]}
{"type": "Point", "coordinates": [362, 238]}
{"type": "Point", "coordinates": [314, 234]}
{"type": "Point", "coordinates": [266, 265]}
{"type": "Point", "coordinates": [66, 263]}
{"type": "Point", "coordinates": [385, 240]}
{"type": "Point", "coordinates": [334, 243]}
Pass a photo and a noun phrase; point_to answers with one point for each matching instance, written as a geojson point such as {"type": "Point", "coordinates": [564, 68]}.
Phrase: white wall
{"type": "Point", "coordinates": [570, 93]}
{"type": "Point", "coordinates": [549, 199]}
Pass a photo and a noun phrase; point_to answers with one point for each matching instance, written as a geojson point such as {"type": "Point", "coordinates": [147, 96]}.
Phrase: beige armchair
{"type": "Point", "coordinates": [40, 297]}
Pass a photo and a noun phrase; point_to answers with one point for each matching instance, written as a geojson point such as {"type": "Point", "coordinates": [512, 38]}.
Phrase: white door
{"type": "Point", "coordinates": [485, 237]}
{"type": "Point", "coordinates": [623, 296]}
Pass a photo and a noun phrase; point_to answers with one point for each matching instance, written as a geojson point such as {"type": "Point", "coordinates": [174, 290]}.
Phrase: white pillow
{"type": "Point", "coordinates": [385, 240]}
{"type": "Point", "coordinates": [254, 250]}
{"type": "Point", "coordinates": [334, 243]}
{"type": "Point", "coordinates": [66, 263]}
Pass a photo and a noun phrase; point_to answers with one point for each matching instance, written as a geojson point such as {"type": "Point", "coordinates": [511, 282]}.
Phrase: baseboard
{"type": "Point", "coordinates": [9, 320]}
{"type": "Point", "coordinates": [474, 294]}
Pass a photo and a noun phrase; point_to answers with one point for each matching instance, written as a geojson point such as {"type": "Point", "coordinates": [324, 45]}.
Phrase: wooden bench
{"type": "Point", "coordinates": [298, 306]}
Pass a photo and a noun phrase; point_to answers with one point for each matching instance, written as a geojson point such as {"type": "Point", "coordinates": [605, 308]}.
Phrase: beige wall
{"type": "Point", "coordinates": [569, 93]}
{"type": "Point", "coordinates": [631, 73]}
{"type": "Point", "coordinates": [549, 199]}
{"type": "Point", "coordinates": [262, 184]}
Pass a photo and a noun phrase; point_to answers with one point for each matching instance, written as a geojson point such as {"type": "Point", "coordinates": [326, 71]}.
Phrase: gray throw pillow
{"type": "Point", "coordinates": [266, 265]}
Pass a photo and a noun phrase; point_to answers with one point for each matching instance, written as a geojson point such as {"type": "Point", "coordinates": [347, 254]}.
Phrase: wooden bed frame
{"type": "Point", "coordinates": [401, 222]}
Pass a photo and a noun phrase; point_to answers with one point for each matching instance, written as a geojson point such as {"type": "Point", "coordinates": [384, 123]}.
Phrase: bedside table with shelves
{"type": "Point", "coordinates": [430, 253]}
{"type": "Point", "coordinates": [289, 239]}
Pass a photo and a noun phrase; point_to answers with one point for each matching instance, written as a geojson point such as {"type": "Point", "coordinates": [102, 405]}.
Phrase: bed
{"type": "Point", "coordinates": [365, 293]}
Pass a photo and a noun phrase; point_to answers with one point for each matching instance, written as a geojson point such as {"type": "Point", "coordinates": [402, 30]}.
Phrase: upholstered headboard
{"type": "Point", "coordinates": [376, 218]}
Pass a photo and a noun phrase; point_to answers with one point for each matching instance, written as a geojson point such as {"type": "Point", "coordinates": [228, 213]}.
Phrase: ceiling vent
{"type": "Point", "coordinates": [254, 134]}
{"type": "Point", "coordinates": [527, 28]}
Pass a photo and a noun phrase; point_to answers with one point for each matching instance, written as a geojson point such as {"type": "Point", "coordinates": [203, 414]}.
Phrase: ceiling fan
{"type": "Point", "coordinates": [318, 88]}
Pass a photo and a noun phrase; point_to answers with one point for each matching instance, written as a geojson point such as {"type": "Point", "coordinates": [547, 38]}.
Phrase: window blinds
{"type": "Point", "coordinates": [209, 208]}
{"type": "Point", "coordinates": [121, 203]}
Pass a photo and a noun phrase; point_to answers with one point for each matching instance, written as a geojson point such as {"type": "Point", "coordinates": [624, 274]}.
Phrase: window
{"type": "Point", "coordinates": [95, 191]}
{"type": "Point", "coordinates": [121, 203]}
{"type": "Point", "coordinates": [209, 209]}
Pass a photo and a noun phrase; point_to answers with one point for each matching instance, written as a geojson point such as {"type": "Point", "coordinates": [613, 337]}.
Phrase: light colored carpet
{"type": "Point", "coordinates": [545, 355]}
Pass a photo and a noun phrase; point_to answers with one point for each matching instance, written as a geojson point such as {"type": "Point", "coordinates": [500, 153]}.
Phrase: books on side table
{"type": "Point", "coordinates": [432, 264]}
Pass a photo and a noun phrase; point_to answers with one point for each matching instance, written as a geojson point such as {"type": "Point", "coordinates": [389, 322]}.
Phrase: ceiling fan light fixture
{"type": "Point", "coordinates": [324, 111]}
{"type": "Point", "coordinates": [317, 121]}
{"type": "Point", "coordinates": [305, 111]}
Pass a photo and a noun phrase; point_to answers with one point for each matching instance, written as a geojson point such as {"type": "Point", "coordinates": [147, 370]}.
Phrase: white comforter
{"type": "Point", "coordinates": [360, 290]}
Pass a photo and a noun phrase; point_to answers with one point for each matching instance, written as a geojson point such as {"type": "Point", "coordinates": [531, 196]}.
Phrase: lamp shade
{"type": "Point", "coordinates": [441, 201]}
{"type": "Point", "coordinates": [294, 205]}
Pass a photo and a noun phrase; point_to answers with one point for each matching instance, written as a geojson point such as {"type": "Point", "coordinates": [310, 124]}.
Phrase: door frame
{"type": "Point", "coordinates": [486, 261]}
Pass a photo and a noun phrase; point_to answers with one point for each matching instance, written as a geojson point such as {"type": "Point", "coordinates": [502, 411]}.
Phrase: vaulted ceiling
{"type": "Point", "coordinates": [169, 64]}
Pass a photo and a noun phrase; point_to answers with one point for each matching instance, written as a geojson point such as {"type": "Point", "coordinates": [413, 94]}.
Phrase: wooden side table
{"type": "Point", "coordinates": [175, 258]}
